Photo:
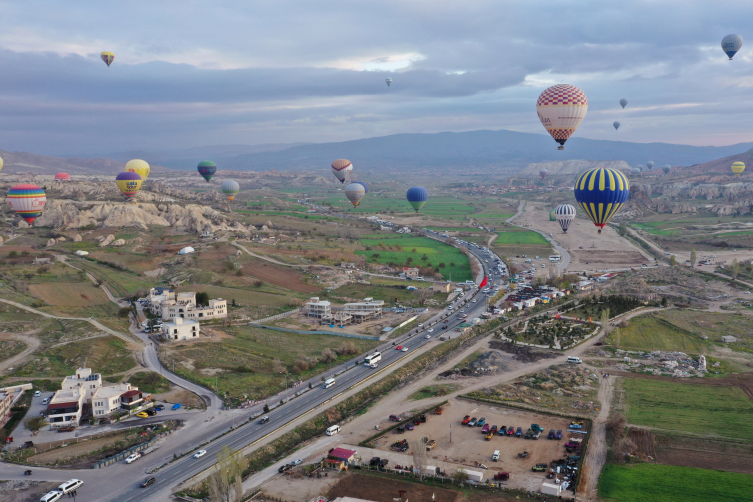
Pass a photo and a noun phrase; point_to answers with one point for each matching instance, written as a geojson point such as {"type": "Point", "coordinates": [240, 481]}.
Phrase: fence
{"type": "Point", "coordinates": [120, 456]}
{"type": "Point", "coordinates": [318, 332]}
{"type": "Point", "coordinates": [277, 316]}
{"type": "Point", "coordinates": [43, 447]}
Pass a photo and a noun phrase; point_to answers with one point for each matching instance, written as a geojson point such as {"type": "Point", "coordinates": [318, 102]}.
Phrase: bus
{"type": "Point", "coordinates": [555, 257]}
{"type": "Point", "coordinates": [329, 383]}
{"type": "Point", "coordinates": [373, 358]}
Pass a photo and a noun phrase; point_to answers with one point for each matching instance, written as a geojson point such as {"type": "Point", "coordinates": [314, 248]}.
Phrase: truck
{"type": "Point", "coordinates": [537, 427]}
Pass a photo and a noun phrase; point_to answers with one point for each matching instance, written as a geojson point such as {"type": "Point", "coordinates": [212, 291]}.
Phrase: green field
{"type": "Point", "coordinates": [119, 282]}
{"type": "Point", "coordinates": [451, 208]}
{"type": "Point", "coordinates": [652, 333]}
{"type": "Point", "coordinates": [701, 409]}
{"type": "Point", "coordinates": [665, 483]}
{"type": "Point", "coordinates": [149, 381]}
{"type": "Point", "coordinates": [397, 250]}
{"type": "Point", "coordinates": [528, 237]}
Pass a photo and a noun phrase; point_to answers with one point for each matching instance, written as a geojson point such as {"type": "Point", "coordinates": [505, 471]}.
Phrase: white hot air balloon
{"type": "Point", "coordinates": [355, 192]}
{"type": "Point", "coordinates": [389, 81]}
{"type": "Point", "coordinates": [731, 44]}
{"type": "Point", "coordinates": [623, 102]}
{"type": "Point", "coordinates": [564, 214]}
{"type": "Point", "coordinates": [341, 168]}
{"type": "Point", "coordinates": [650, 164]}
{"type": "Point", "coordinates": [561, 109]}
{"type": "Point", "coordinates": [616, 125]}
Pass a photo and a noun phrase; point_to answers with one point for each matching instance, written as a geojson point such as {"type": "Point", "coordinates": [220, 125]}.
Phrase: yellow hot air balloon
{"type": "Point", "coordinates": [1, 163]}
{"type": "Point", "coordinates": [738, 168]}
{"type": "Point", "coordinates": [139, 167]}
{"type": "Point", "coordinates": [107, 57]}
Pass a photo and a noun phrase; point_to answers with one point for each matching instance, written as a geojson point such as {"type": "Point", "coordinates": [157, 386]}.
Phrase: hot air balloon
{"type": "Point", "coordinates": [666, 168]}
{"type": "Point", "coordinates": [623, 102]}
{"type": "Point", "coordinates": [389, 81]}
{"type": "Point", "coordinates": [561, 109]}
{"type": "Point", "coordinates": [355, 192]}
{"type": "Point", "coordinates": [417, 197]}
{"type": "Point", "coordinates": [62, 177]}
{"type": "Point", "coordinates": [1, 163]}
{"type": "Point", "coordinates": [565, 214]}
{"type": "Point", "coordinates": [108, 57]}
{"type": "Point", "coordinates": [636, 170]}
{"type": "Point", "coordinates": [738, 168]}
{"type": "Point", "coordinates": [341, 168]}
{"type": "Point", "coordinates": [27, 200]}
{"type": "Point", "coordinates": [139, 167]}
{"type": "Point", "coordinates": [600, 192]}
{"type": "Point", "coordinates": [365, 186]}
{"type": "Point", "coordinates": [616, 125]}
{"type": "Point", "coordinates": [206, 169]}
{"type": "Point", "coordinates": [551, 215]}
{"type": "Point", "coordinates": [731, 44]}
{"type": "Point", "coordinates": [129, 183]}
{"type": "Point", "coordinates": [650, 164]}
{"type": "Point", "coordinates": [543, 173]}
{"type": "Point", "coordinates": [230, 188]}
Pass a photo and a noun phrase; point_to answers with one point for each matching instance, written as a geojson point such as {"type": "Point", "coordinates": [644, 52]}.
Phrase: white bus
{"type": "Point", "coordinates": [373, 358]}
{"type": "Point", "coordinates": [555, 257]}
{"type": "Point", "coordinates": [329, 383]}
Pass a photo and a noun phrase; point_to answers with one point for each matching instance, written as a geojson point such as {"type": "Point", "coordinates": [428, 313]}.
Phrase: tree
{"type": "Point", "coordinates": [673, 261]}
{"type": "Point", "coordinates": [42, 270]}
{"type": "Point", "coordinates": [734, 269]}
{"type": "Point", "coordinates": [34, 424]}
{"type": "Point", "coordinates": [124, 312]}
{"type": "Point", "coordinates": [460, 476]}
{"type": "Point", "coordinates": [232, 302]}
{"type": "Point", "coordinates": [226, 481]}
{"type": "Point", "coordinates": [13, 254]}
{"type": "Point", "coordinates": [202, 298]}
{"type": "Point", "coordinates": [423, 295]}
{"type": "Point", "coordinates": [693, 257]}
{"type": "Point", "coordinates": [419, 457]}
{"type": "Point", "coordinates": [266, 408]}
{"type": "Point", "coordinates": [328, 355]}
{"type": "Point", "coordinates": [664, 301]}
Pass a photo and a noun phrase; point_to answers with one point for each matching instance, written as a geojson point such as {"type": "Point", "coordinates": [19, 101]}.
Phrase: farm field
{"type": "Point", "coordinates": [653, 333]}
{"type": "Point", "coordinates": [389, 294]}
{"type": "Point", "coordinates": [664, 483]}
{"type": "Point", "coordinates": [701, 409]}
{"type": "Point", "coordinates": [120, 283]}
{"type": "Point", "coordinates": [258, 303]}
{"type": "Point", "coordinates": [450, 208]}
{"type": "Point", "coordinates": [527, 237]}
{"type": "Point", "coordinates": [66, 294]}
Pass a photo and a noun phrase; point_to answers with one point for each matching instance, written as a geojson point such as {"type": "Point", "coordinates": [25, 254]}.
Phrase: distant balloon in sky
{"type": "Point", "coordinates": [108, 57]}
{"type": "Point", "coordinates": [27, 201]}
{"type": "Point", "coordinates": [738, 168]}
{"type": "Point", "coordinates": [139, 167]}
{"type": "Point", "coordinates": [601, 192]}
{"type": "Point", "coordinates": [640, 167]}
{"type": "Point", "coordinates": [543, 173]}
{"type": "Point", "coordinates": [365, 186]}
{"type": "Point", "coordinates": [1, 163]}
{"type": "Point", "coordinates": [129, 183]}
{"type": "Point", "coordinates": [731, 44]}
{"type": "Point", "coordinates": [355, 192]}
{"type": "Point", "coordinates": [636, 170]}
{"type": "Point", "coordinates": [417, 197]}
{"type": "Point", "coordinates": [616, 125]}
{"type": "Point", "coordinates": [650, 164]}
{"type": "Point", "coordinates": [666, 168]}
{"type": "Point", "coordinates": [62, 177]}
{"type": "Point", "coordinates": [230, 188]}
{"type": "Point", "coordinates": [341, 168]}
{"type": "Point", "coordinates": [565, 214]}
{"type": "Point", "coordinates": [389, 81]}
{"type": "Point", "coordinates": [206, 169]}
{"type": "Point", "coordinates": [623, 102]}
{"type": "Point", "coordinates": [561, 109]}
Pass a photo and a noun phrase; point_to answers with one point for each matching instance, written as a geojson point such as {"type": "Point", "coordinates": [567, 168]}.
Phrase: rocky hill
{"type": "Point", "coordinates": [573, 167]}
{"type": "Point", "coordinates": [29, 164]}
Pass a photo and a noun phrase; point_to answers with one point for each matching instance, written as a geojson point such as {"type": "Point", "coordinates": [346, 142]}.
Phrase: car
{"type": "Point", "coordinates": [150, 412]}
{"type": "Point", "coordinates": [263, 420]}
{"type": "Point", "coordinates": [133, 457]}
{"type": "Point", "coordinates": [503, 430]}
{"type": "Point", "coordinates": [473, 301]}
{"type": "Point", "coordinates": [416, 421]}
{"type": "Point", "coordinates": [409, 426]}
{"type": "Point", "coordinates": [539, 468]}
{"type": "Point", "coordinates": [159, 407]}
{"type": "Point", "coordinates": [431, 330]}
{"type": "Point", "coordinates": [481, 421]}
{"type": "Point", "coordinates": [427, 337]}
{"type": "Point", "coordinates": [46, 400]}
{"type": "Point", "coordinates": [552, 434]}
{"type": "Point", "coordinates": [466, 419]}
{"type": "Point", "coordinates": [747, 293]}
{"type": "Point", "coordinates": [142, 414]}
{"type": "Point", "coordinates": [296, 462]}
{"type": "Point", "coordinates": [405, 349]}
{"type": "Point", "coordinates": [493, 430]}
{"type": "Point", "coordinates": [511, 430]}
{"type": "Point", "coordinates": [285, 467]}
{"type": "Point", "coordinates": [394, 418]}
{"type": "Point", "coordinates": [485, 428]}
{"type": "Point", "coordinates": [199, 454]}
{"type": "Point", "coordinates": [558, 435]}
{"type": "Point", "coordinates": [38, 393]}
{"type": "Point", "coordinates": [148, 481]}
{"type": "Point", "coordinates": [576, 426]}
{"type": "Point", "coordinates": [375, 461]}
{"type": "Point", "coordinates": [399, 347]}
{"type": "Point", "coordinates": [519, 431]}
{"type": "Point", "coordinates": [472, 422]}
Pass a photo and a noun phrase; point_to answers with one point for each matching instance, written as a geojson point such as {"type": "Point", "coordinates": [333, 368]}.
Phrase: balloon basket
{"type": "Point", "coordinates": [560, 148]}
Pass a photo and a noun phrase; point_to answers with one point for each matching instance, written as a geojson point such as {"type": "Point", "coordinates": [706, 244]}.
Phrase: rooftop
{"type": "Point", "coordinates": [342, 453]}
{"type": "Point", "coordinates": [130, 393]}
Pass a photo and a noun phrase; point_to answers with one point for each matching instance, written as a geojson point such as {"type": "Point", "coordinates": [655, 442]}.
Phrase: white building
{"type": "Point", "coordinates": [367, 309]}
{"type": "Point", "coordinates": [181, 330]}
{"type": "Point", "coordinates": [729, 339]}
{"type": "Point", "coordinates": [321, 309]}
{"type": "Point", "coordinates": [217, 309]}
{"type": "Point", "coordinates": [157, 296]}
{"type": "Point", "coordinates": [186, 250]}
{"type": "Point", "coordinates": [106, 400]}
{"type": "Point", "coordinates": [65, 408]}
{"type": "Point", "coordinates": [84, 380]}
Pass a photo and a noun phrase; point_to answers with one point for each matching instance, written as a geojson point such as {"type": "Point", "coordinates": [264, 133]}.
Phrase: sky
{"type": "Point", "coordinates": [194, 73]}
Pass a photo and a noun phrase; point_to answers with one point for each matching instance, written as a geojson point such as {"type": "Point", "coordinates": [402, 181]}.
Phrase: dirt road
{"type": "Point", "coordinates": [32, 344]}
{"type": "Point", "coordinates": [596, 455]}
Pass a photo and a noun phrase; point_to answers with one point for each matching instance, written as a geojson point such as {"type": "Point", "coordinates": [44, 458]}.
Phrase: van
{"type": "Point", "coordinates": [51, 497]}
{"type": "Point", "coordinates": [329, 383]}
{"type": "Point", "coordinates": [70, 485]}
{"type": "Point", "coordinates": [575, 360]}
{"type": "Point", "coordinates": [331, 431]}
{"type": "Point", "coordinates": [495, 456]}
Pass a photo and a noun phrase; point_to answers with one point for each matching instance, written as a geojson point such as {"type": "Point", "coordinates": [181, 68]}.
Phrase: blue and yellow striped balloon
{"type": "Point", "coordinates": [600, 193]}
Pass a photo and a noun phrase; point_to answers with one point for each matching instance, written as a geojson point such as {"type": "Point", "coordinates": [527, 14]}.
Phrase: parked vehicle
{"type": "Point", "coordinates": [539, 468]}
{"type": "Point", "coordinates": [38, 393]}
{"type": "Point", "coordinates": [142, 414]}
{"type": "Point", "coordinates": [410, 426]}
{"type": "Point", "coordinates": [70, 485]}
{"type": "Point", "coordinates": [485, 429]}
{"type": "Point", "coordinates": [576, 426]}
{"type": "Point", "coordinates": [284, 468]}
{"type": "Point", "coordinates": [438, 411]}
{"type": "Point", "coordinates": [472, 422]}
{"type": "Point", "coordinates": [133, 457]}
{"type": "Point", "coordinates": [511, 430]}
{"type": "Point", "coordinates": [537, 427]}
{"type": "Point", "coordinates": [52, 496]}
{"type": "Point", "coordinates": [536, 435]}
{"type": "Point", "coordinates": [552, 434]}
{"type": "Point", "coordinates": [422, 418]}
{"type": "Point", "coordinates": [558, 435]}
{"type": "Point", "coordinates": [466, 419]}
{"type": "Point", "coordinates": [374, 461]}
{"type": "Point", "coordinates": [519, 431]}
{"type": "Point", "coordinates": [481, 421]}
{"type": "Point", "coordinates": [431, 444]}
{"type": "Point", "coordinates": [493, 430]}
{"type": "Point", "coordinates": [148, 481]}
{"type": "Point", "coordinates": [394, 418]}
{"type": "Point", "coordinates": [529, 434]}
{"type": "Point", "coordinates": [332, 430]}
{"type": "Point", "coordinates": [416, 421]}
{"type": "Point", "coordinates": [495, 455]}
{"type": "Point", "coordinates": [400, 429]}
{"type": "Point", "coordinates": [150, 412]}
{"type": "Point", "coordinates": [502, 476]}
{"type": "Point", "coordinates": [159, 407]}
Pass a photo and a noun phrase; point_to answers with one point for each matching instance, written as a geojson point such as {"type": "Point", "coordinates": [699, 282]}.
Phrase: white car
{"type": "Point", "coordinates": [133, 457]}
{"type": "Point", "coordinates": [431, 330]}
{"type": "Point", "coordinates": [473, 301]}
{"type": "Point", "coordinates": [199, 454]}
{"type": "Point", "coordinates": [38, 393]}
{"type": "Point", "coordinates": [427, 336]}
{"type": "Point", "coordinates": [404, 349]}
{"type": "Point", "coordinates": [296, 462]}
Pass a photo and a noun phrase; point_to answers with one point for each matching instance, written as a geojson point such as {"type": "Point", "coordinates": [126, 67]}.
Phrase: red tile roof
{"type": "Point", "coordinates": [131, 393]}
{"type": "Point", "coordinates": [342, 453]}
{"type": "Point", "coordinates": [62, 405]}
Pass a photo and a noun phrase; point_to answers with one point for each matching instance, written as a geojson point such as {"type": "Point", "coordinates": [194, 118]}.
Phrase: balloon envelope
{"type": "Point", "coordinates": [108, 57]}
{"type": "Point", "coordinates": [27, 200]}
{"type": "Point", "coordinates": [640, 167]}
{"type": "Point", "coordinates": [1, 163]}
{"type": "Point", "coordinates": [341, 168]}
{"type": "Point", "coordinates": [417, 197]}
{"type": "Point", "coordinates": [365, 186]}
{"type": "Point", "coordinates": [389, 81]}
{"type": "Point", "coordinates": [623, 102]}
{"type": "Point", "coordinates": [731, 44]}
{"type": "Point", "coordinates": [543, 173]}
{"type": "Point", "coordinates": [355, 192]}
{"type": "Point", "coordinates": [62, 177]}
{"type": "Point", "coordinates": [561, 109]}
{"type": "Point", "coordinates": [616, 125]}
{"type": "Point", "coordinates": [564, 214]}
{"type": "Point", "coordinates": [650, 164]}
{"type": "Point", "coordinates": [666, 168]}
{"type": "Point", "coordinates": [552, 217]}
{"type": "Point", "coordinates": [230, 188]}
{"type": "Point", "coordinates": [636, 170]}
{"type": "Point", "coordinates": [129, 183]}
{"type": "Point", "coordinates": [601, 193]}
{"type": "Point", "coordinates": [139, 167]}
{"type": "Point", "coordinates": [738, 168]}
{"type": "Point", "coordinates": [206, 169]}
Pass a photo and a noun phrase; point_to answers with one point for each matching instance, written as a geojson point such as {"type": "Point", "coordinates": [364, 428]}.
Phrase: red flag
{"type": "Point", "coordinates": [483, 283]}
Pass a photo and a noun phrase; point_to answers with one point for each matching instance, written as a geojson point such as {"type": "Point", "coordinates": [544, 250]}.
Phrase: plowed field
{"type": "Point", "coordinates": [66, 294]}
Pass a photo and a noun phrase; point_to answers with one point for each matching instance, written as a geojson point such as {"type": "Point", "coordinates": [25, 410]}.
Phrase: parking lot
{"type": "Point", "coordinates": [468, 446]}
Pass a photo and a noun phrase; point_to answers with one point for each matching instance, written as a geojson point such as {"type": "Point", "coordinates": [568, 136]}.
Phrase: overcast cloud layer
{"type": "Point", "coordinates": [189, 73]}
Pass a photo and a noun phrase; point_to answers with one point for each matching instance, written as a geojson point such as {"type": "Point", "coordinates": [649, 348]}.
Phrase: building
{"type": "Point", "coordinates": [171, 309]}
{"type": "Point", "coordinates": [442, 287]}
{"type": "Point", "coordinates": [157, 296]}
{"type": "Point", "coordinates": [186, 250]}
{"type": "Point", "coordinates": [585, 285]}
{"type": "Point", "coordinates": [181, 330]}
{"type": "Point", "coordinates": [84, 380]}
{"type": "Point", "coordinates": [42, 261]}
{"type": "Point", "coordinates": [411, 272]}
{"type": "Point", "coordinates": [132, 400]}
{"type": "Point", "coordinates": [106, 400]}
{"type": "Point", "coordinates": [321, 309]}
{"type": "Point", "coordinates": [729, 339]}
{"type": "Point", "coordinates": [367, 309]}
{"type": "Point", "coordinates": [8, 396]}
{"type": "Point", "coordinates": [65, 408]}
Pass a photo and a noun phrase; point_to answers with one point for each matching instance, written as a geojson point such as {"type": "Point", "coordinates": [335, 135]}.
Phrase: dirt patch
{"type": "Point", "coordinates": [382, 489]}
{"type": "Point", "coordinates": [607, 257]}
{"type": "Point", "coordinates": [645, 445]}
{"type": "Point", "coordinates": [25, 491]}
{"type": "Point", "coordinates": [186, 398]}
{"type": "Point", "coordinates": [285, 277]}
{"type": "Point", "coordinates": [704, 453]}
{"type": "Point", "coordinates": [522, 353]}
{"type": "Point", "coordinates": [76, 294]}
{"type": "Point", "coordinates": [84, 454]}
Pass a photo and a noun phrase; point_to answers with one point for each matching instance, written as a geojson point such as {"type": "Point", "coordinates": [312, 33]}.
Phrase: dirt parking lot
{"type": "Point", "coordinates": [469, 446]}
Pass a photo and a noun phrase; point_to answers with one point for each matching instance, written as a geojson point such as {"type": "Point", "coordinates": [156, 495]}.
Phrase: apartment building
{"type": "Point", "coordinates": [157, 296]}
{"type": "Point", "coordinates": [321, 309]}
{"type": "Point", "coordinates": [8, 396]}
{"type": "Point", "coordinates": [367, 309]}
{"type": "Point", "coordinates": [65, 408]}
{"type": "Point", "coordinates": [181, 330]}
{"type": "Point", "coordinates": [106, 400]}
{"type": "Point", "coordinates": [131, 400]}
{"type": "Point", "coordinates": [84, 380]}
{"type": "Point", "coordinates": [217, 309]}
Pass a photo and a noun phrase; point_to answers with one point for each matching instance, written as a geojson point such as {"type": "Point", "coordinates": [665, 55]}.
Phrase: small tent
{"type": "Point", "coordinates": [187, 250]}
